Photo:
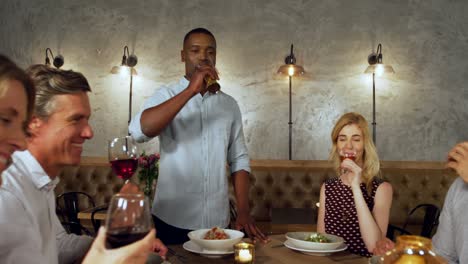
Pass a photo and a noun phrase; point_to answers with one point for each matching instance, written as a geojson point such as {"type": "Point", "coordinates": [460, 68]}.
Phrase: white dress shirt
{"type": "Point", "coordinates": [192, 189]}
{"type": "Point", "coordinates": [451, 239]}
{"type": "Point", "coordinates": [27, 215]}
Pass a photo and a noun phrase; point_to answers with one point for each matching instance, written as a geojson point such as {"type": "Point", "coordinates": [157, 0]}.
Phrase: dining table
{"type": "Point", "coordinates": [86, 214]}
{"type": "Point", "coordinates": [273, 252]}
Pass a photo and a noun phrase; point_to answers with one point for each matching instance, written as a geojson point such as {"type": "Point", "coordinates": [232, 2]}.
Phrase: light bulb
{"type": "Point", "coordinates": [291, 70]}
{"type": "Point", "coordinates": [379, 69]}
{"type": "Point", "coordinates": [124, 70]}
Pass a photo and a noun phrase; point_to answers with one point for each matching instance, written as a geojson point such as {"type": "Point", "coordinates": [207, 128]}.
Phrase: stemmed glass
{"type": "Point", "coordinates": [123, 156]}
{"type": "Point", "coordinates": [347, 154]}
{"type": "Point", "coordinates": [128, 219]}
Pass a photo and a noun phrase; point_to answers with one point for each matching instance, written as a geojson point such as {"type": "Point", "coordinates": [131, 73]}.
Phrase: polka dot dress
{"type": "Point", "coordinates": [341, 215]}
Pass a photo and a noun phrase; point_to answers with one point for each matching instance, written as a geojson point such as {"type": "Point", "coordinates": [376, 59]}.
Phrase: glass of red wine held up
{"type": "Point", "coordinates": [128, 219]}
{"type": "Point", "coordinates": [347, 154]}
{"type": "Point", "coordinates": [123, 156]}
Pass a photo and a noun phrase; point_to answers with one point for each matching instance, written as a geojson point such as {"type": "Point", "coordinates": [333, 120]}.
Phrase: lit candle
{"type": "Point", "coordinates": [244, 256]}
{"type": "Point", "coordinates": [244, 253]}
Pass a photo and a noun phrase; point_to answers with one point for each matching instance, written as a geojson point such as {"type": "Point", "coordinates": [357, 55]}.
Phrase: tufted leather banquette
{"type": "Point", "coordinates": [287, 184]}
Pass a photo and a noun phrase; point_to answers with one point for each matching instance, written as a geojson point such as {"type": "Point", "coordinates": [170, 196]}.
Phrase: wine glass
{"type": "Point", "coordinates": [347, 154]}
{"type": "Point", "coordinates": [123, 156]}
{"type": "Point", "coordinates": [128, 219]}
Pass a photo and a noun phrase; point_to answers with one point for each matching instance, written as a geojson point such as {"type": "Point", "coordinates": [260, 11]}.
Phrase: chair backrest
{"type": "Point", "coordinates": [430, 221]}
{"type": "Point", "coordinates": [393, 231]}
{"type": "Point", "coordinates": [293, 216]}
{"type": "Point", "coordinates": [69, 204]}
{"type": "Point", "coordinates": [96, 222]}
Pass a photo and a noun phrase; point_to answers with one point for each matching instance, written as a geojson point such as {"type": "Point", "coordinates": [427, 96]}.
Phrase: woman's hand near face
{"type": "Point", "coordinates": [353, 172]}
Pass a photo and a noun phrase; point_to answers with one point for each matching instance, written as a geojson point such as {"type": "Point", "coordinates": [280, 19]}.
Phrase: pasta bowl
{"type": "Point", "coordinates": [218, 245]}
{"type": "Point", "coordinates": [300, 240]}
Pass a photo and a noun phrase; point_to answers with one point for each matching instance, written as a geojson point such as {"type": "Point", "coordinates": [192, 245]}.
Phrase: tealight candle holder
{"type": "Point", "coordinates": [244, 253]}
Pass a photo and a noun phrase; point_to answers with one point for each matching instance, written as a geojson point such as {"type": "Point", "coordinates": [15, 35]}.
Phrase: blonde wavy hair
{"type": "Point", "coordinates": [370, 159]}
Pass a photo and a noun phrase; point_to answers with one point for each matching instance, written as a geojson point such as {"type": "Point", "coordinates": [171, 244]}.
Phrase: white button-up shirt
{"type": "Point", "coordinates": [192, 189]}
{"type": "Point", "coordinates": [29, 227]}
{"type": "Point", "coordinates": [451, 239]}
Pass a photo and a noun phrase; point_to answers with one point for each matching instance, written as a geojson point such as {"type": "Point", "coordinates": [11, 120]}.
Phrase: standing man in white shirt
{"type": "Point", "coordinates": [58, 129]}
{"type": "Point", "coordinates": [199, 130]}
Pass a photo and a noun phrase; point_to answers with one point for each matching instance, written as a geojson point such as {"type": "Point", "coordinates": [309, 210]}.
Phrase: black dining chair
{"type": "Point", "coordinates": [96, 222]}
{"type": "Point", "coordinates": [394, 231]}
{"type": "Point", "coordinates": [68, 205]}
{"type": "Point", "coordinates": [431, 215]}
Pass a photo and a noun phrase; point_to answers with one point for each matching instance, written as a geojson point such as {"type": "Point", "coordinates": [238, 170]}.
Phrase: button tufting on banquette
{"type": "Point", "coordinates": [94, 176]}
{"type": "Point", "coordinates": [287, 184]}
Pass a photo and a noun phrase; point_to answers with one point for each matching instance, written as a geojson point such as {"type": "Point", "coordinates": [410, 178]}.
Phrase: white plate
{"type": "Point", "coordinates": [315, 252]}
{"type": "Point", "coordinates": [194, 248]}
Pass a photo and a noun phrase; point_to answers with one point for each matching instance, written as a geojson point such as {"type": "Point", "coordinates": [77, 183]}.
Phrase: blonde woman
{"type": "Point", "coordinates": [356, 204]}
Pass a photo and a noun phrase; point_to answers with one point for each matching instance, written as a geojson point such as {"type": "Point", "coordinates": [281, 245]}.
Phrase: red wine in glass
{"type": "Point", "coordinates": [350, 156]}
{"type": "Point", "coordinates": [128, 219]}
{"type": "Point", "coordinates": [124, 168]}
{"type": "Point", "coordinates": [347, 155]}
{"type": "Point", "coordinates": [123, 156]}
{"type": "Point", "coordinates": [124, 236]}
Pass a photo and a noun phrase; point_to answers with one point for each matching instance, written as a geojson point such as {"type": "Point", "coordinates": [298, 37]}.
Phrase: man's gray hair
{"type": "Point", "coordinates": [50, 82]}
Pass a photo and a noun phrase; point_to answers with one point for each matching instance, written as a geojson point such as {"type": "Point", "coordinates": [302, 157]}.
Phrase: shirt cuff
{"type": "Point", "coordinates": [238, 165]}
{"type": "Point", "coordinates": [135, 129]}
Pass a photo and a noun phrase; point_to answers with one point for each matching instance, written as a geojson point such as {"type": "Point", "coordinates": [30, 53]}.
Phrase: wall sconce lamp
{"type": "Point", "coordinates": [128, 62]}
{"type": "Point", "coordinates": [290, 69]}
{"type": "Point", "coordinates": [58, 60]}
{"type": "Point", "coordinates": [376, 66]}
{"type": "Point", "coordinates": [127, 68]}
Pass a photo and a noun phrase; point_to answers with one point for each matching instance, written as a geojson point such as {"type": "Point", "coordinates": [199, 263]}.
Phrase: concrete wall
{"type": "Point", "coordinates": [421, 110]}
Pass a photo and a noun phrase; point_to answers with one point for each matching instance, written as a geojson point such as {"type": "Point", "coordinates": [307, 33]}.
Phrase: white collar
{"type": "Point", "coordinates": [34, 170]}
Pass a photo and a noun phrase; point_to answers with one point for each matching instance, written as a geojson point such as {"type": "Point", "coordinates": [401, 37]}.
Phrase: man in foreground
{"type": "Point", "coordinates": [57, 130]}
{"type": "Point", "coordinates": [451, 238]}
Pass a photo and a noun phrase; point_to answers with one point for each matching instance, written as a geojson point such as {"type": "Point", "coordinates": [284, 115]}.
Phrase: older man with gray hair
{"type": "Point", "coordinates": [58, 129]}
